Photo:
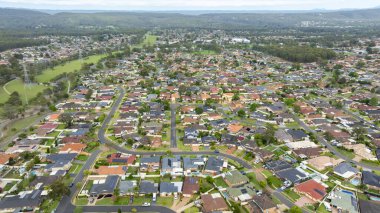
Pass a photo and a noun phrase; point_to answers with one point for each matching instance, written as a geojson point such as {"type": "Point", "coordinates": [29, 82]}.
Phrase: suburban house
{"type": "Point", "coordinates": [172, 166]}
{"type": "Point", "coordinates": [190, 186]}
{"type": "Point", "coordinates": [148, 187]}
{"type": "Point", "coordinates": [311, 189]}
{"type": "Point", "coordinates": [371, 180]}
{"type": "Point", "coordinates": [344, 201]}
{"type": "Point", "coordinates": [345, 170]}
{"type": "Point", "coordinates": [60, 162]}
{"type": "Point", "coordinates": [242, 193]}
{"type": "Point", "coordinates": [235, 178]}
{"type": "Point", "coordinates": [170, 188]}
{"type": "Point", "coordinates": [193, 166]}
{"type": "Point", "coordinates": [214, 166]}
{"type": "Point", "coordinates": [72, 148]}
{"type": "Point", "coordinates": [121, 158]}
{"type": "Point", "coordinates": [150, 164]}
{"type": "Point", "coordinates": [294, 175]}
{"type": "Point", "coordinates": [127, 187]}
{"type": "Point", "coordinates": [25, 200]}
{"type": "Point", "coordinates": [111, 170]}
{"type": "Point", "coordinates": [262, 203]}
{"type": "Point", "coordinates": [213, 202]}
{"type": "Point", "coordinates": [105, 186]}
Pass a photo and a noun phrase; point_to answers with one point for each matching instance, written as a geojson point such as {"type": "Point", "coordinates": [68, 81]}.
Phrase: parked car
{"type": "Point", "coordinates": [146, 204]}
{"type": "Point", "coordinates": [154, 197]}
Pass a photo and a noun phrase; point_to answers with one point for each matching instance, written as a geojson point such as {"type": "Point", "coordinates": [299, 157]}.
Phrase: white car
{"type": "Point", "coordinates": [146, 204]}
{"type": "Point", "coordinates": [175, 196]}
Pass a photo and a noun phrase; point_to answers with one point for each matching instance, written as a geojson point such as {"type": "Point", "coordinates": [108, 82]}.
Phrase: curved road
{"type": "Point", "coordinates": [103, 139]}
{"type": "Point", "coordinates": [331, 147]}
{"type": "Point", "coordinates": [66, 206]}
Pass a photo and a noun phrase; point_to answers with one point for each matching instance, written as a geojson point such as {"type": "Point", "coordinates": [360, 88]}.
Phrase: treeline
{"type": "Point", "coordinates": [300, 54]}
{"type": "Point", "coordinates": [11, 71]}
{"type": "Point", "coordinates": [7, 43]}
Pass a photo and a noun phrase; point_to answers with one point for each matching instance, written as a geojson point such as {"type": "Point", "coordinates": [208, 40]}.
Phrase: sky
{"type": "Point", "coordinates": [190, 4]}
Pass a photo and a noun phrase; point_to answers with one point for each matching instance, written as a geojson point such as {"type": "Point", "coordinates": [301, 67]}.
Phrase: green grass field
{"type": "Point", "coordinates": [49, 74]}
{"type": "Point", "coordinates": [148, 41]}
{"type": "Point", "coordinates": [18, 85]}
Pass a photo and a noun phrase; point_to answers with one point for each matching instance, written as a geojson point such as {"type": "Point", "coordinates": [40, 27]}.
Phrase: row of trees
{"type": "Point", "coordinates": [295, 53]}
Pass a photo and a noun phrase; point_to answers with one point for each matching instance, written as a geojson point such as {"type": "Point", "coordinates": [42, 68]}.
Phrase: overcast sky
{"type": "Point", "coordinates": [190, 4]}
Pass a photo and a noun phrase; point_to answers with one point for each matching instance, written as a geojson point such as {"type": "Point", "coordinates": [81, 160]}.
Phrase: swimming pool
{"type": "Point", "coordinates": [374, 198]}
{"type": "Point", "coordinates": [348, 192]}
{"type": "Point", "coordinates": [355, 181]}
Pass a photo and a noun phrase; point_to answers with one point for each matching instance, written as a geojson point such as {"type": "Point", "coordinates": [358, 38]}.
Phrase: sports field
{"type": "Point", "coordinates": [49, 74]}
{"type": "Point", "coordinates": [18, 85]}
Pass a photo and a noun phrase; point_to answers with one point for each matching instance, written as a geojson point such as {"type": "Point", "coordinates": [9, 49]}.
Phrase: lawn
{"type": "Point", "coordinates": [18, 85]}
{"type": "Point", "coordinates": [139, 200]}
{"type": "Point", "coordinates": [290, 193]}
{"type": "Point", "coordinates": [105, 201]}
{"type": "Point", "coordinates": [75, 168]}
{"type": "Point", "coordinates": [267, 173]}
{"type": "Point", "coordinates": [19, 125]}
{"type": "Point", "coordinates": [346, 153]}
{"type": "Point", "coordinates": [122, 201]}
{"type": "Point", "coordinates": [165, 201]}
{"type": "Point", "coordinates": [81, 201]}
{"type": "Point", "coordinates": [72, 66]}
{"type": "Point", "coordinates": [192, 210]}
{"type": "Point", "coordinates": [49, 205]}
{"type": "Point", "coordinates": [322, 209]}
{"type": "Point", "coordinates": [82, 157]}
{"type": "Point", "coordinates": [149, 40]}
{"type": "Point", "coordinates": [220, 182]}
{"type": "Point", "coordinates": [274, 181]}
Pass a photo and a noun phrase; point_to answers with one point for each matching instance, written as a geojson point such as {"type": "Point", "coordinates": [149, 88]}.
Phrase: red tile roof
{"type": "Point", "coordinates": [312, 188]}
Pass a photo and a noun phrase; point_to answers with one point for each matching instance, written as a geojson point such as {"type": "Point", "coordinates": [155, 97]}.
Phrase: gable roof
{"type": "Point", "coordinates": [371, 179]}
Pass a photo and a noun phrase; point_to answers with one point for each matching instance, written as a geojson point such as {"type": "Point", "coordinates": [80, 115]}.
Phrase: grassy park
{"type": "Point", "coordinates": [18, 85]}
{"type": "Point", "coordinates": [49, 74]}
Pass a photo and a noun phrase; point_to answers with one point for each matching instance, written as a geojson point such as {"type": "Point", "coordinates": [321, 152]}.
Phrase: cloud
{"type": "Point", "coordinates": [188, 4]}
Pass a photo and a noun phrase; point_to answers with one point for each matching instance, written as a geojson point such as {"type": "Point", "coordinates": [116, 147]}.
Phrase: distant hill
{"type": "Point", "coordinates": [29, 19]}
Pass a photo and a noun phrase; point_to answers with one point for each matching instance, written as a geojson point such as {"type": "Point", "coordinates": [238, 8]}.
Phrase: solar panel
{"type": "Point", "coordinates": [319, 192]}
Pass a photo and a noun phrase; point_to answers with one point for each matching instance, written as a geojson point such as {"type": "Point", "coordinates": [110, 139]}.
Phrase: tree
{"type": "Point", "coordinates": [58, 189]}
{"type": "Point", "coordinates": [360, 64]}
{"type": "Point", "coordinates": [199, 110]}
{"type": "Point", "coordinates": [253, 107]}
{"type": "Point", "coordinates": [210, 179]}
{"type": "Point", "coordinates": [373, 101]}
{"type": "Point", "coordinates": [359, 133]}
{"type": "Point", "coordinates": [236, 97]}
{"type": "Point", "coordinates": [263, 184]}
{"type": "Point", "coordinates": [295, 209]}
{"type": "Point", "coordinates": [241, 113]}
{"type": "Point", "coordinates": [268, 135]}
{"type": "Point", "coordinates": [66, 118]}
{"type": "Point", "coordinates": [89, 94]}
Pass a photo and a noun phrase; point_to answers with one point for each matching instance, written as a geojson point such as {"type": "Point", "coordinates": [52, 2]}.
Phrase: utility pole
{"type": "Point", "coordinates": [27, 82]}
